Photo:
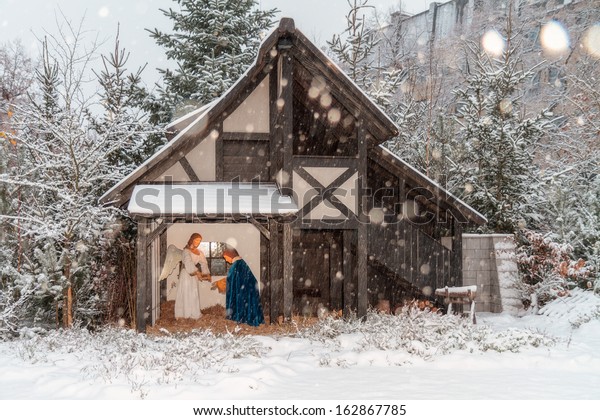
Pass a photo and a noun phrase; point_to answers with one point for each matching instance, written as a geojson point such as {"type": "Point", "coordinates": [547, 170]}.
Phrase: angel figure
{"type": "Point", "coordinates": [187, 301]}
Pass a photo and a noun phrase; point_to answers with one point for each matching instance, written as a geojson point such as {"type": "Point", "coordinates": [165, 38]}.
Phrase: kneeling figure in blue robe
{"type": "Point", "coordinates": [242, 300]}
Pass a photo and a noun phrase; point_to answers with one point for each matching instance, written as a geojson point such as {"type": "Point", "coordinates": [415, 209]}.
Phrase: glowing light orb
{"type": "Point", "coordinates": [493, 43]}
{"type": "Point", "coordinates": [554, 38]}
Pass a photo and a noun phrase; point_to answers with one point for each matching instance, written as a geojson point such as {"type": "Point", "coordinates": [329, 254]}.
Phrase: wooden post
{"type": "Point", "coordinates": [348, 270]}
{"type": "Point", "coordinates": [456, 263]}
{"type": "Point", "coordinates": [142, 282]}
{"type": "Point", "coordinates": [362, 254]}
{"type": "Point", "coordinates": [336, 281]}
{"type": "Point", "coordinates": [265, 291]}
{"type": "Point", "coordinates": [276, 138]}
{"type": "Point", "coordinates": [163, 257]}
{"type": "Point", "coordinates": [288, 272]}
{"type": "Point", "coordinates": [275, 269]}
{"type": "Point", "coordinates": [219, 149]}
{"type": "Point", "coordinates": [285, 105]}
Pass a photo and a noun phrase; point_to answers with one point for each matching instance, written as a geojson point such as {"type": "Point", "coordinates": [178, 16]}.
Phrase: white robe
{"type": "Point", "coordinates": [187, 302]}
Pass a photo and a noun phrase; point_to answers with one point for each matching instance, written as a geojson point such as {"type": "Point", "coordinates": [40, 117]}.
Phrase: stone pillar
{"type": "Point", "coordinates": [489, 262]}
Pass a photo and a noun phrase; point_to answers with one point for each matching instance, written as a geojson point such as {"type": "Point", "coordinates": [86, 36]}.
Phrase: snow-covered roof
{"type": "Point", "coordinates": [167, 149]}
{"type": "Point", "coordinates": [197, 122]}
{"type": "Point", "coordinates": [210, 199]}
{"type": "Point", "coordinates": [444, 194]}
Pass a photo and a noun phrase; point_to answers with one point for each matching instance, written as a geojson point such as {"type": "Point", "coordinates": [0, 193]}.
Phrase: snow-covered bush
{"type": "Point", "coordinates": [422, 333]}
{"type": "Point", "coordinates": [143, 360]}
{"type": "Point", "coordinates": [547, 270]}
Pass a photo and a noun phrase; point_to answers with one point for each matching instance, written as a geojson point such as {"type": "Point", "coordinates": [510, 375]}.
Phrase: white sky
{"type": "Point", "coordinates": [26, 19]}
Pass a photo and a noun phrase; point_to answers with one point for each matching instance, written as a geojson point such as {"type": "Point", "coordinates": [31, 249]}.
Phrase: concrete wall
{"type": "Point", "coordinates": [489, 262]}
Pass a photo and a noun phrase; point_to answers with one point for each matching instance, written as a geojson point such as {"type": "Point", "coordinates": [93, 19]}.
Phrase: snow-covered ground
{"type": "Point", "coordinates": [554, 355]}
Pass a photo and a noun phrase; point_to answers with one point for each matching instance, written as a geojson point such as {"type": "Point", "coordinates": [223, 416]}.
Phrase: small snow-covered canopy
{"type": "Point", "coordinates": [210, 199]}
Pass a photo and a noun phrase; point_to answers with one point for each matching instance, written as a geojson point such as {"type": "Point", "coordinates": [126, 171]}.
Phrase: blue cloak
{"type": "Point", "coordinates": [242, 300]}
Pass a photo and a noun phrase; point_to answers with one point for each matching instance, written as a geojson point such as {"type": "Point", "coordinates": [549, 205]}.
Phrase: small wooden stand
{"type": "Point", "coordinates": [458, 295]}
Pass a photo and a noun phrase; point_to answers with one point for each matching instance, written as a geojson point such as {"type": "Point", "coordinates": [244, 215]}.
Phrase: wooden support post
{"type": "Point", "coordinates": [275, 272]}
{"type": "Point", "coordinates": [219, 152]}
{"type": "Point", "coordinates": [265, 289]}
{"type": "Point", "coordinates": [348, 269]}
{"type": "Point", "coordinates": [336, 280]}
{"type": "Point", "coordinates": [361, 268]}
{"type": "Point", "coordinates": [142, 310]}
{"type": "Point", "coordinates": [285, 105]}
{"type": "Point", "coordinates": [288, 272]}
{"type": "Point", "coordinates": [456, 263]}
{"type": "Point", "coordinates": [362, 255]}
{"type": "Point", "coordinates": [276, 137]}
{"type": "Point", "coordinates": [163, 257]}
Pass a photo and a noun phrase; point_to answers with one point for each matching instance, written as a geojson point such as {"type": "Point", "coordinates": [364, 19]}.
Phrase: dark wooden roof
{"type": "Point", "coordinates": [185, 132]}
{"type": "Point", "coordinates": [442, 198]}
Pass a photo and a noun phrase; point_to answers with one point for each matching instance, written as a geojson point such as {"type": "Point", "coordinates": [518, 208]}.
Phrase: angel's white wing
{"type": "Point", "coordinates": [171, 261]}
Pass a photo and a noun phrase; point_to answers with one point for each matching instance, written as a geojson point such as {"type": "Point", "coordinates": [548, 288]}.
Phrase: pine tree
{"type": "Point", "coordinates": [120, 95]}
{"type": "Point", "coordinates": [212, 44]}
{"type": "Point", "coordinates": [496, 144]}
{"type": "Point", "coordinates": [67, 158]}
{"type": "Point", "coordinates": [355, 49]}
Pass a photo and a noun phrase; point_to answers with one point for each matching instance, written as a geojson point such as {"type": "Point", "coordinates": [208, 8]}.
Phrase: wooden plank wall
{"type": "Point", "coordinates": [246, 159]}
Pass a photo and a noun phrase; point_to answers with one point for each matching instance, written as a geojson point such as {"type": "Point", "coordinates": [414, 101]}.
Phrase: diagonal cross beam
{"type": "Point", "coordinates": [325, 193]}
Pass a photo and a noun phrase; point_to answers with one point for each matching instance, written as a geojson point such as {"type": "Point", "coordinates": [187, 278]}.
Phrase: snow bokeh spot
{"type": "Point", "coordinates": [591, 40]}
{"type": "Point", "coordinates": [376, 215]}
{"type": "Point", "coordinates": [103, 12]}
{"type": "Point", "coordinates": [334, 115]}
{"type": "Point", "coordinates": [506, 106]}
{"type": "Point", "coordinates": [554, 38]}
{"type": "Point", "coordinates": [425, 269]}
{"type": "Point", "coordinates": [493, 43]}
{"type": "Point", "coordinates": [326, 100]}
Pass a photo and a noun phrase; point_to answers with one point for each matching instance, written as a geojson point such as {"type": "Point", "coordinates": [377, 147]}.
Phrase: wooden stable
{"type": "Point", "coordinates": [288, 167]}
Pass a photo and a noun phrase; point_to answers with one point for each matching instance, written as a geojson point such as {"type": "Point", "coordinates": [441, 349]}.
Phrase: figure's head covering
{"type": "Point", "coordinates": [231, 253]}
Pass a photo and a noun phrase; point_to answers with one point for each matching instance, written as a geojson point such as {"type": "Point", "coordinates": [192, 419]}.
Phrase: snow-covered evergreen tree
{"type": "Point", "coordinates": [16, 70]}
{"type": "Point", "coordinates": [355, 51]}
{"type": "Point", "coordinates": [67, 158]}
{"type": "Point", "coordinates": [212, 44]}
{"type": "Point", "coordinates": [494, 153]}
{"type": "Point", "coordinates": [571, 179]}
